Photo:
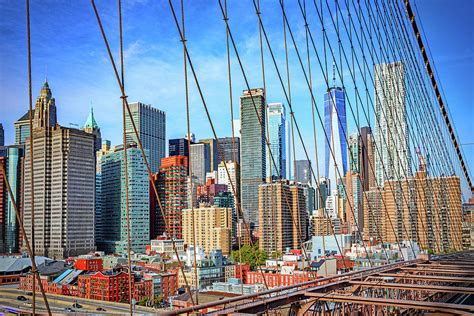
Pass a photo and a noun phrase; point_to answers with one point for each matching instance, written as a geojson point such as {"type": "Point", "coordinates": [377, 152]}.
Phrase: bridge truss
{"type": "Point", "coordinates": [441, 285]}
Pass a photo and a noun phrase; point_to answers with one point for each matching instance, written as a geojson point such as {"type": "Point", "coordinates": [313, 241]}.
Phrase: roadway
{"type": "Point", "coordinates": [57, 303]}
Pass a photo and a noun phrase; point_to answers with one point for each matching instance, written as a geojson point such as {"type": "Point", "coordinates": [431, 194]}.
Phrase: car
{"type": "Point", "coordinates": [100, 309]}
{"type": "Point", "coordinates": [29, 293]}
{"type": "Point", "coordinates": [77, 305]}
{"type": "Point", "coordinates": [21, 298]}
{"type": "Point", "coordinates": [69, 310]}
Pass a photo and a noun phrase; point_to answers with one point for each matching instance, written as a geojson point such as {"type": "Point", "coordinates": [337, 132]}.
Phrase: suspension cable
{"type": "Point", "coordinates": [142, 150]}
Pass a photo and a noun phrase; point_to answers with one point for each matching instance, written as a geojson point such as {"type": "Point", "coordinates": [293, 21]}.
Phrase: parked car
{"type": "Point", "coordinates": [100, 309]}
{"type": "Point", "coordinates": [21, 298]}
{"type": "Point", "coordinates": [77, 305]}
{"type": "Point", "coordinates": [69, 310]}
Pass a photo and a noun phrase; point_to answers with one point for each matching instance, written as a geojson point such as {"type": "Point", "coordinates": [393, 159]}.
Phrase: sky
{"type": "Point", "coordinates": [68, 49]}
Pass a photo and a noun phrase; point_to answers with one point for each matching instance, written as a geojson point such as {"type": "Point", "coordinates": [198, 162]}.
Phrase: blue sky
{"type": "Point", "coordinates": [67, 42]}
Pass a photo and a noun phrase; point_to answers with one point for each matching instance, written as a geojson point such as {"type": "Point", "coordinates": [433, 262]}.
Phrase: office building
{"type": "Point", "coordinates": [178, 147]}
{"type": "Point", "coordinates": [213, 153]}
{"type": "Point", "coordinates": [320, 224]}
{"type": "Point", "coordinates": [212, 227]}
{"type": "Point", "coordinates": [172, 185]}
{"type": "Point", "coordinates": [64, 190]}
{"type": "Point", "coordinates": [2, 135]}
{"type": "Point", "coordinates": [22, 128]}
{"type": "Point", "coordinates": [303, 171]}
{"type": "Point", "coordinates": [354, 204]}
{"type": "Point", "coordinates": [367, 158]}
{"type": "Point", "coordinates": [230, 148]}
{"type": "Point", "coordinates": [64, 184]}
{"type": "Point", "coordinates": [277, 137]}
{"type": "Point", "coordinates": [151, 126]}
{"type": "Point", "coordinates": [253, 153]}
{"type": "Point", "coordinates": [105, 149]}
{"type": "Point", "coordinates": [12, 161]}
{"type": "Point", "coordinates": [335, 125]}
{"type": "Point", "coordinates": [91, 127]}
{"type": "Point", "coordinates": [373, 215]}
{"type": "Point", "coordinates": [391, 134]}
{"type": "Point", "coordinates": [321, 193]}
{"type": "Point", "coordinates": [283, 216]}
{"type": "Point", "coordinates": [354, 152]}
{"type": "Point", "coordinates": [233, 183]}
{"type": "Point", "coordinates": [200, 157]}
{"type": "Point", "coordinates": [114, 208]}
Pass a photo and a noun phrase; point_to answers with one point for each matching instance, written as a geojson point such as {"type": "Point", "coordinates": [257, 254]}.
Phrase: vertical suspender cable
{"type": "Point", "coordinates": [125, 166]}
{"type": "Point", "coordinates": [234, 152]}
{"type": "Point", "coordinates": [190, 167]}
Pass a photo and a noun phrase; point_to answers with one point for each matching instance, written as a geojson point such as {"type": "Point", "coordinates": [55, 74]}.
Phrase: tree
{"type": "Point", "coordinates": [143, 301]}
{"type": "Point", "coordinates": [250, 255]}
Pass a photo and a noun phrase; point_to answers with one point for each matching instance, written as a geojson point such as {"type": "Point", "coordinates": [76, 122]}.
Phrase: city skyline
{"type": "Point", "coordinates": [104, 96]}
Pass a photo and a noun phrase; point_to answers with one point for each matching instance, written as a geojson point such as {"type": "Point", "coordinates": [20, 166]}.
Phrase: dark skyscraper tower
{"type": "Point", "coordinates": [253, 164]}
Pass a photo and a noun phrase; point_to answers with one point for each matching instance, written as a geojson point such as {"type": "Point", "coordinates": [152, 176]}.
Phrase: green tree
{"type": "Point", "coordinates": [143, 301]}
{"type": "Point", "coordinates": [250, 254]}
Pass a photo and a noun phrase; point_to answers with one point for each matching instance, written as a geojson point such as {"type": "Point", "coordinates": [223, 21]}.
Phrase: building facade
{"type": "Point", "coordinates": [253, 151]}
{"type": "Point", "coordinates": [151, 126]}
{"type": "Point", "coordinates": [172, 185]}
{"type": "Point", "coordinates": [283, 216]}
{"type": "Point", "coordinates": [200, 157]}
{"type": "Point", "coordinates": [212, 228]}
{"type": "Point", "coordinates": [335, 125]}
{"type": "Point", "coordinates": [303, 171]}
{"type": "Point", "coordinates": [277, 137]}
{"type": "Point", "coordinates": [230, 148]}
{"type": "Point", "coordinates": [178, 147]}
{"type": "Point", "coordinates": [213, 153]}
{"type": "Point", "coordinates": [114, 208]}
{"type": "Point", "coordinates": [12, 161]}
{"type": "Point", "coordinates": [391, 134]}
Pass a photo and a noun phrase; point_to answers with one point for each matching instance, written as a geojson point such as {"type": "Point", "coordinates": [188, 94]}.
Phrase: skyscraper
{"type": "Point", "coordinates": [11, 159]}
{"type": "Point", "coordinates": [213, 152]}
{"type": "Point", "coordinates": [283, 216]}
{"type": "Point", "coordinates": [335, 125]}
{"type": "Point", "coordinates": [172, 185]}
{"type": "Point", "coordinates": [91, 127]}
{"type": "Point", "coordinates": [391, 134]}
{"type": "Point", "coordinates": [2, 135]}
{"type": "Point", "coordinates": [303, 171]}
{"type": "Point", "coordinates": [234, 172]}
{"type": "Point", "coordinates": [99, 225]}
{"type": "Point", "coordinates": [200, 156]}
{"type": "Point", "coordinates": [178, 147]}
{"type": "Point", "coordinates": [367, 162]}
{"type": "Point", "coordinates": [114, 211]}
{"type": "Point", "coordinates": [228, 148]}
{"type": "Point", "coordinates": [276, 131]}
{"type": "Point", "coordinates": [64, 184]}
{"type": "Point", "coordinates": [354, 152]}
{"type": "Point", "coordinates": [253, 159]}
{"type": "Point", "coordinates": [22, 128]}
{"type": "Point", "coordinates": [151, 126]}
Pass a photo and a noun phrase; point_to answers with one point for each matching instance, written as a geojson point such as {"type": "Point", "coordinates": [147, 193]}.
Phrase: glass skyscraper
{"type": "Point", "coordinates": [253, 159]}
{"type": "Point", "coordinates": [335, 125]}
{"type": "Point", "coordinates": [113, 207]}
{"type": "Point", "coordinates": [151, 125]}
{"type": "Point", "coordinates": [11, 157]}
{"type": "Point", "coordinates": [276, 131]}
